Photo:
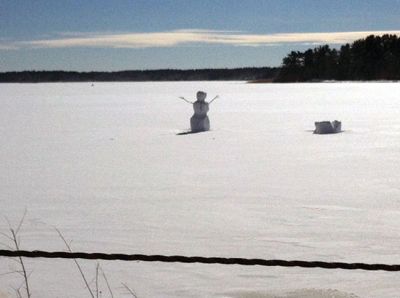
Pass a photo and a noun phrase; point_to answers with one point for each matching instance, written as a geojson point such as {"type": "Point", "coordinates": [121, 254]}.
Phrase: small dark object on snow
{"type": "Point", "coordinates": [327, 127]}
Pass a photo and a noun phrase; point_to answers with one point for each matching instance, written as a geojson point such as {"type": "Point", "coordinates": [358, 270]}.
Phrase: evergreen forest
{"type": "Point", "coordinates": [372, 58]}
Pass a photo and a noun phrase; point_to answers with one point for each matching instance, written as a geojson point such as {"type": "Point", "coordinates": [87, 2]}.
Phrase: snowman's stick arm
{"type": "Point", "coordinates": [181, 97]}
{"type": "Point", "coordinates": [213, 99]}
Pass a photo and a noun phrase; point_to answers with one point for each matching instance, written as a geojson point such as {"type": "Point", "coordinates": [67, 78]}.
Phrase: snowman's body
{"type": "Point", "coordinates": [200, 121]}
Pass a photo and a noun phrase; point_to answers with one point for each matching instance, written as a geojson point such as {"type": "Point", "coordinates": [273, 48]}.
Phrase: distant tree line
{"type": "Point", "coordinates": [245, 74]}
{"type": "Point", "coordinates": [372, 58]}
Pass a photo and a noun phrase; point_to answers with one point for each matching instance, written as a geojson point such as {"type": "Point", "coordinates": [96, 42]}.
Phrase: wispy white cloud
{"type": "Point", "coordinates": [187, 37]}
{"type": "Point", "coordinates": [8, 47]}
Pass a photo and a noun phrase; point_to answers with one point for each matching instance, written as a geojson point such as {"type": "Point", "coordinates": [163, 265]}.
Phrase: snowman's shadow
{"type": "Point", "coordinates": [189, 132]}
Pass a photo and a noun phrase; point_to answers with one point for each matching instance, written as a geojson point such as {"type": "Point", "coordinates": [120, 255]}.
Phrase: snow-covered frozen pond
{"type": "Point", "coordinates": [104, 165]}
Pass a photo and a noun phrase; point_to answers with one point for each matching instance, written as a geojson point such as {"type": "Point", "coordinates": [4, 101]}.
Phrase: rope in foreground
{"type": "Point", "coordinates": [202, 260]}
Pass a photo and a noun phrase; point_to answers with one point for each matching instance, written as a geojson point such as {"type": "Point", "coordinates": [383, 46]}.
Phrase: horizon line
{"type": "Point", "coordinates": [148, 69]}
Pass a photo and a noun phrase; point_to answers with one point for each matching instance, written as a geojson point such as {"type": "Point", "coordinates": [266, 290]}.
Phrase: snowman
{"type": "Point", "coordinates": [200, 121]}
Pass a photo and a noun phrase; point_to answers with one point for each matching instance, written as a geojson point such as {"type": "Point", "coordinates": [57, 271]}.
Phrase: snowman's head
{"type": "Point", "coordinates": [201, 96]}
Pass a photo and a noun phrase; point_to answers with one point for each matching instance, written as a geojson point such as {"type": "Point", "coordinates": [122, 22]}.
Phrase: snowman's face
{"type": "Point", "coordinates": [201, 96]}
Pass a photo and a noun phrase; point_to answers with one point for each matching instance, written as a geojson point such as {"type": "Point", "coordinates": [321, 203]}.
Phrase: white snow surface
{"type": "Point", "coordinates": [104, 165]}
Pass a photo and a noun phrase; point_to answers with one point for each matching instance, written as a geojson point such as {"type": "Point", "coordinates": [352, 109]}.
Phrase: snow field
{"type": "Point", "coordinates": [104, 164]}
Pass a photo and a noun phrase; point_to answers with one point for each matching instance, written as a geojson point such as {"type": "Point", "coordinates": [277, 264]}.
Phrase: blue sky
{"type": "Point", "coordinates": [151, 34]}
